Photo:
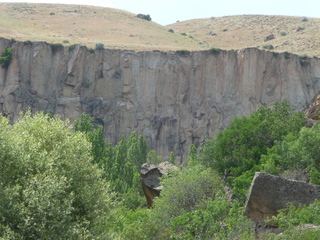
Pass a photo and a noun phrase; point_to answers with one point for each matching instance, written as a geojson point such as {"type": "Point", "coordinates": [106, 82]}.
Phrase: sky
{"type": "Point", "coordinates": [165, 12]}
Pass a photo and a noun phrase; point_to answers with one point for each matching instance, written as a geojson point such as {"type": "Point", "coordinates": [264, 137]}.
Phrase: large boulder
{"type": "Point", "coordinates": [150, 179]}
{"type": "Point", "coordinates": [268, 194]}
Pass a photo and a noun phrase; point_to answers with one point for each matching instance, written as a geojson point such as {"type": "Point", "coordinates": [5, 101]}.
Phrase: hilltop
{"type": "Point", "coordinates": [297, 35]}
{"type": "Point", "coordinates": [118, 29]}
{"type": "Point", "coordinates": [87, 25]}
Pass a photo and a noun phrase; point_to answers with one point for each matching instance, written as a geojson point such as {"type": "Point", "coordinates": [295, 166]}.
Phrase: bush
{"type": "Point", "coordinates": [72, 47]}
{"type": "Point", "coordinates": [214, 50]}
{"type": "Point", "coordinates": [6, 58]}
{"type": "Point", "coordinates": [299, 151]}
{"type": "Point", "coordinates": [185, 190]}
{"type": "Point", "coordinates": [56, 47]}
{"type": "Point", "coordinates": [183, 52]}
{"type": "Point", "coordinates": [303, 56]}
{"type": "Point", "coordinates": [65, 41]}
{"type": "Point", "coordinates": [238, 148]}
{"type": "Point", "coordinates": [27, 42]}
{"type": "Point", "coordinates": [171, 30]}
{"type": "Point", "coordinates": [48, 186]}
{"type": "Point", "coordinates": [283, 33]}
{"type": "Point", "coordinates": [304, 19]}
{"type": "Point", "coordinates": [99, 46]}
{"type": "Point", "coordinates": [183, 34]}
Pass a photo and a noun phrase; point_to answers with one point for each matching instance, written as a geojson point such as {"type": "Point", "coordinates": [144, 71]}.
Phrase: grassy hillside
{"type": "Point", "coordinates": [87, 25]}
{"type": "Point", "coordinates": [236, 32]}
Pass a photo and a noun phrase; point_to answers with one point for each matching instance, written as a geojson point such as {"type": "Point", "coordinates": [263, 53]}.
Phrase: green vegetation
{"type": "Point", "coordinates": [236, 151]}
{"type": "Point", "coordinates": [56, 47]}
{"type": "Point", "coordinates": [59, 181]}
{"type": "Point", "coordinates": [183, 52]}
{"type": "Point", "coordinates": [214, 50]}
{"type": "Point", "coordinates": [183, 34]}
{"type": "Point", "coordinates": [72, 47]}
{"type": "Point", "coordinates": [48, 186]}
{"type": "Point", "coordinates": [99, 46]}
{"type": "Point", "coordinates": [6, 58]}
{"type": "Point", "coordinates": [283, 33]}
{"type": "Point", "coordinates": [27, 42]}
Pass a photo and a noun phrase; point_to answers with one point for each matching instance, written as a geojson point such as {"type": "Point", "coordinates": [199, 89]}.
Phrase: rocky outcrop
{"type": "Point", "coordinates": [150, 179]}
{"type": "Point", "coordinates": [268, 194]}
{"type": "Point", "coordinates": [313, 108]}
{"type": "Point", "coordinates": [173, 100]}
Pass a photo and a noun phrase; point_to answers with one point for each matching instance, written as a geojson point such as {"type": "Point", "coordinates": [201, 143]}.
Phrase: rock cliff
{"type": "Point", "coordinates": [173, 99]}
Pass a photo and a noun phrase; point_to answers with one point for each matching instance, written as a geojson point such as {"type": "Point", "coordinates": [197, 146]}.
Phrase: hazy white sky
{"type": "Point", "coordinates": [169, 11]}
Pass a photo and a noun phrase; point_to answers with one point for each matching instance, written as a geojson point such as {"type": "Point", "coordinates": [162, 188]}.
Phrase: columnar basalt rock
{"type": "Point", "coordinates": [173, 100]}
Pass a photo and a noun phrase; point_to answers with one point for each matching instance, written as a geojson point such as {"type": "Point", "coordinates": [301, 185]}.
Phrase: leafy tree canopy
{"type": "Point", "coordinates": [49, 187]}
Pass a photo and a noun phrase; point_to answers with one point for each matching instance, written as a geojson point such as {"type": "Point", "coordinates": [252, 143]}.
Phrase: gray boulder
{"type": "Point", "coordinates": [150, 179]}
{"type": "Point", "coordinates": [268, 38]}
{"type": "Point", "coordinates": [268, 194]}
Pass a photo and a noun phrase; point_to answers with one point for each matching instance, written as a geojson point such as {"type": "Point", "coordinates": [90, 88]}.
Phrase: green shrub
{"type": "Point", "coordinates": [214, 50]}
{"type": "Point", "coordinates": [91, 50]}
{"type": "Point", "coordinates": [27, 42]}
{"type": "Point", "coordinates": [6, 58]}
{"type": "Point", "coordinates": [56, 47]}
{"type": "Point", "coordinates": [286, 55]}
{"type": "Point", "coordinates": [304, 19]}
{"type": "Point", "coordinates": [238, 148]}
{"type": "Point", "coordinates": [99, 46]}
{"type": "Point", "coordinates": [183, 52]}
{"type": "Point", "coordinates": [212, 18]}
{"type": "Point", "coordinates": [148, 17]}
{"type": "Point", "coordinates": [183, 34]}
{"type": "Point", "coordinates": [48, 186]}
{"type": "Point", "coordinates": [225, 30]}
{"type": "Point", "coordinates": [171, 30]}
{"type": "Point", "coordinates": [65, 41]}
{"type": "Point", "coordinates": [72, 47]}
{"type": "Point", "coordinates": [182, 192]}
{"type": "Point", "coordinates": [303, 56]}
{"type": "Point", "coordinates": [299, 151]}
{"type": "Point", "coordinates": [283, 33]}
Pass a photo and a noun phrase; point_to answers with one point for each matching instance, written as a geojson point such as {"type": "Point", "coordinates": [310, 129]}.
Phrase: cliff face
{"type": "Point", "coordinates": [173, 100]}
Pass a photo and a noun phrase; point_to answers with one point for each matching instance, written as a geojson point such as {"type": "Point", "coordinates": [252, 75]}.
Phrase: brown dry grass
{"type": "Point", "coordinates": [237, 32]}
{"type": "Point", "coordinates": [119, 29]}
{"type": "Point", "coordinates": [87, 25]}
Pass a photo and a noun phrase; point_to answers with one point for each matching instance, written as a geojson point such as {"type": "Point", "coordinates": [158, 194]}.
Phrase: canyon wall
{"type": "Point", "coordinates": [173, 99]}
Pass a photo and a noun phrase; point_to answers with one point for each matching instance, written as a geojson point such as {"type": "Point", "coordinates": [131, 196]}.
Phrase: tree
{"type": "Point", "coordinates": [95, 135]}
{"type": "Point", "coordinates": [48, 186]}
{"type": "Point", "coordinates": [299, 151]}
{"type": "Point", "coordinates": [238, 148]}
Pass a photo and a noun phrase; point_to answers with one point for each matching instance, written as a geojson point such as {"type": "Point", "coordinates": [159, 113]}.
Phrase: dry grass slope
{"type": "Point", "coordinates": [237, 32]}
{"type": "Point", "coordinates": [87, 25]}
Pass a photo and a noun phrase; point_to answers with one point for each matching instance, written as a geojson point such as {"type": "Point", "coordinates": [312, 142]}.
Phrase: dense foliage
{"type": "Point", "coordinates": [48, 186]}
{"type": "Point", "coordinates": [236, 151]}
{"type": "Point", "coordinates": [59, 181]}
{"type": "Point", "coordinates": [6, 57]}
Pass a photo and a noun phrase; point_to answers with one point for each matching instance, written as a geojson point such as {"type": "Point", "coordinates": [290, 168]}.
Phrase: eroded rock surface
{"type": "Point", "coordinates": [173, 100]}
{"type": "Point", "coordinates": [268, 194]}
{"type": "Point", "coordinates": [150, 179]}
